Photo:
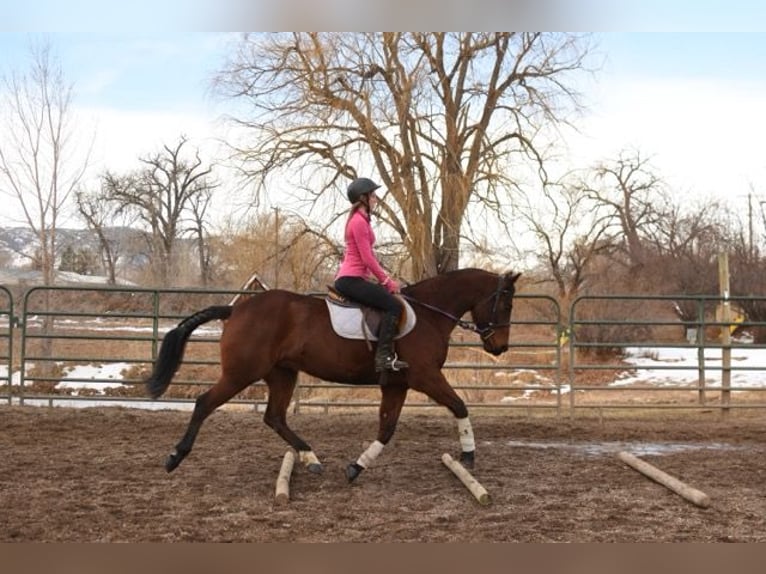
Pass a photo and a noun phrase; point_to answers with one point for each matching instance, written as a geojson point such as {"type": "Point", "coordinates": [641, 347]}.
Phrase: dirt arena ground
{"type": "Point", "coordinates": [91, 475]}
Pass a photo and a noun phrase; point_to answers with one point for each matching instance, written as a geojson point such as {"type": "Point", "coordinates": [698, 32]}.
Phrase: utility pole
{"type": "Point", "coordinates": [750, 225]}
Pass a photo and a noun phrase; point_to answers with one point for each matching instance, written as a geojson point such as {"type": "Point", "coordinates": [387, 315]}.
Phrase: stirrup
{"type": "Point", "coordinates": [392, 363]}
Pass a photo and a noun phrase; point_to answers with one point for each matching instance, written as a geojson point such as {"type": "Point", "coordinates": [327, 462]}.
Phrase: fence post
{"type": "Point", "coordinates": [7, 309]}
{"type": "Point", "coordinates": [725, 320]}
{"type": "Point", "coordinates": [700, 342]}
{"type": "Point", "coordinates": [572, 357]}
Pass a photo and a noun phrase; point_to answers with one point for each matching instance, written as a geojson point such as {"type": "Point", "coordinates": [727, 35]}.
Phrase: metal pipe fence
{"type": "Point", "coordinates": [6, 343]}
{"type": "Point", "coordinates": [70, 333]}
{"type": "Point", "coordinates": [633, 352]}
{"type": "Point", "coordinates": [95, 345]}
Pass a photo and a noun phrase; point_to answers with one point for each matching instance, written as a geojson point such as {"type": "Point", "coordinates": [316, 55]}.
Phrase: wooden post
{"type": "Point", "coordinates": [473, 486]}
{"type": "Point", "coordinates": [282, 494]}
{"type": "Point", "coordinates": [691, 494]}
{"type": "Point", "coordinates": [725, 320]}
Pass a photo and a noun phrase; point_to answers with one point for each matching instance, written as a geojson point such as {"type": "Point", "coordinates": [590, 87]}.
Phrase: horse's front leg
{"type": "Point", "coordinates": [390, 408]}
{"type": "Point", "coordinates": [437, 388]}
{"type": "Point", "coordinates": [467, 442]}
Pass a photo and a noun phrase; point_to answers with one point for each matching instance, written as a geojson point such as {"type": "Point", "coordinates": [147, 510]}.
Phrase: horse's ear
{"type": "Point", "coordinates": [511, 277]}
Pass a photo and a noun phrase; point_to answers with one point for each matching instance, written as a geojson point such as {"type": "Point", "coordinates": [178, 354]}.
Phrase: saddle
{"type": "Point", "coordinates": [352, 320]}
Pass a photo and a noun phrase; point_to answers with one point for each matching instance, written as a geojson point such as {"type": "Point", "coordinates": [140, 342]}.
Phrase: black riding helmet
{"type": "Point", "coordinates": [359, 187]}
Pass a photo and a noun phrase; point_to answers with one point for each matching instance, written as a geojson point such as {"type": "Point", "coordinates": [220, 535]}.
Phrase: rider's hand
{"type": "Point", "coordinates": [391, 285]}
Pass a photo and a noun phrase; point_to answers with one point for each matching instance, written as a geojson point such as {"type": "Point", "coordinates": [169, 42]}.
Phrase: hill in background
{"type": "Point", "coordinates": [18, 246]}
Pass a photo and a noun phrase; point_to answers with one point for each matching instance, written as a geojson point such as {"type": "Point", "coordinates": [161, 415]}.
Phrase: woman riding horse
{"type": "Point", "coordinates": [359, 263]}
{"type": "Point", "coordinates": [274, 335]}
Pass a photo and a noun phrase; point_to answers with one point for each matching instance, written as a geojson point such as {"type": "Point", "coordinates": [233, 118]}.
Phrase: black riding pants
{"type": "Point", "coordinates": [368, 293]}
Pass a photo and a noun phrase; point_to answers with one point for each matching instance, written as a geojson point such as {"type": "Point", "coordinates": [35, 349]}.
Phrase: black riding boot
{"type": "Point", "coordinates": [385, 357]}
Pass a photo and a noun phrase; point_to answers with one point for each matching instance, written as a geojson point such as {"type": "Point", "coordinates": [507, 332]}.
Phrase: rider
{"type": "Point", "coordinates": [360, 263]}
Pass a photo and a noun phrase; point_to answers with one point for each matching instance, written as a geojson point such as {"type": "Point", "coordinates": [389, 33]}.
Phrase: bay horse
{"type": "Point", "coordinates": [275, 334]}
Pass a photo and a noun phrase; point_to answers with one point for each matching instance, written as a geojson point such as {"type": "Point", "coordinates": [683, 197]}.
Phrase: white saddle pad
{"type": "Point", "coordinates": [349, 323]}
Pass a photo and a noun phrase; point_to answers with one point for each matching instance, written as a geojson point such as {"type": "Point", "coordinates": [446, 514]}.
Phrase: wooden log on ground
{"type": "Point", "coordinates": [478, 491]}
{"type": "Point", "coordinates": [282, 495]}
{"type": "Point", "coordinates": [691, 494]}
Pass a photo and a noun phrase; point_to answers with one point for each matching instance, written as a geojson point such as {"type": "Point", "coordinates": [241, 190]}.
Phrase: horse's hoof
{"type": "Point", "coordinates": [353, 470]}
{"type": "Point", "coordinates": [466, 459]}
{"type": "Point", "coordinates": [315, 468]}
{"type": "Point", "coordinates": [172, 462]}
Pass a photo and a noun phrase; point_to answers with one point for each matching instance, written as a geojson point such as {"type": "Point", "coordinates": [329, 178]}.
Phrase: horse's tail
{"type": "Point", "coordinates": [173, 344]}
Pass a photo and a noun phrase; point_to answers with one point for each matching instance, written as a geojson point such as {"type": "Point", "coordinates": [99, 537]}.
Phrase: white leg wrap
{"type": "Point", "coordinates": [465, 432]}
{"type": "Point", "coordinates": [368, 456]}
{"type": "Point", "coordinates": [308, 457]}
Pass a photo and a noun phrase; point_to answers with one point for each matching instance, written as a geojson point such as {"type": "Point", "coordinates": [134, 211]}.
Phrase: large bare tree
{"type": "Point", "coordinates": [569, 233]}
{"type": "Point", "coordinates": [40, 165]}
{"type": "Point", "coordinates": [637, 199]}
{"type": "Point", "coordinates": [168, 197]}
{"type": "Point", "coordinates": [443, 120]}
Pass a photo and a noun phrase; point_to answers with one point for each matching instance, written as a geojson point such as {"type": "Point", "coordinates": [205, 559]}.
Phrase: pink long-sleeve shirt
{"type": "Point", "coordinates": [359, 258]}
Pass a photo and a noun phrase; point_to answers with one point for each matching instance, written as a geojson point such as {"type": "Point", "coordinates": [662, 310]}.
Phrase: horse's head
{"type": "Point", "coordinates": [492, 314]}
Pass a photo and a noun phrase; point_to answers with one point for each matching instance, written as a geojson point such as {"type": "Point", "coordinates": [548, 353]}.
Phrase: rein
{"type": "Point", "coordinates": [484, 332]}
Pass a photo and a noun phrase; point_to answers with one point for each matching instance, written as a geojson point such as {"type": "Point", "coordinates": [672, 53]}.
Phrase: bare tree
{"type": "Point", "coordinates": [100, 215]}
{"type": "Point", "coordinates": [637, 199]}
{"type": "Point", "coordinates": [161, 196]}
{"type": "Point", "coordinates": [198, 206]}
{"type": "Point", "coordinates": [569, 230]}
{"type": "Point", "coordinates": [746, 266]}
{"type": "Point", "coordinates": [682, 255]}
{"type": "Point", "coordinates": [687, 242]}
{"type": "Point", "coordinates": [271, 244]}
{"type": "Point", "coordinates": [444, 119]}
{"type": "Point", "coordinates": [39, 165]}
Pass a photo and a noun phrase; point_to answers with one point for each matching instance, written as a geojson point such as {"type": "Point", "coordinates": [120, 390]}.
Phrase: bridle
{"type": "Point", "coordinates": [485, 331]}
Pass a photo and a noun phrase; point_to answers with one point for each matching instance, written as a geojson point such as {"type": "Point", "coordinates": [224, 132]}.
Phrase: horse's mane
{"type": "Point", "coordinates": [430, 283]}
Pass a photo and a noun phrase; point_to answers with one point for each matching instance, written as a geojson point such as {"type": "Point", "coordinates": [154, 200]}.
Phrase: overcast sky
{"type": "Point", "coordinates": [134, 90]}
{"type": "Point", "coordinates": [692, 101]}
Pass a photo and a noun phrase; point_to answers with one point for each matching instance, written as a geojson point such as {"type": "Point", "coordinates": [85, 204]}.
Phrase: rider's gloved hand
{"type": "Point", "coordinates": [391, 285]}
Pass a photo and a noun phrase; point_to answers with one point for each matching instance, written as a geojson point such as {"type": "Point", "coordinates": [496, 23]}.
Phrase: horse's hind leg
{"type": "Point", "coordinates": [205, 404]}
{"type": "Point", "coordinates": [437, 388]}
{"type": "Point", "coordinates": [281, 383]}
{"type": "Point", "coordinates": [390, 408]}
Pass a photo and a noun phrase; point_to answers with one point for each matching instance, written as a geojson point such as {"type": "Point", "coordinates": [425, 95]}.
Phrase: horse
{"type": "Point", "coordinates": [275, 334]}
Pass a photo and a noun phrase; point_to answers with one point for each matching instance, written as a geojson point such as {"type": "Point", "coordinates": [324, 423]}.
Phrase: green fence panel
{"type": "Point", "coordinates": [97, 345]}
{"type": "Point", "coordinates": [676, 351]}
{"type": "Point", "coordinates": [7, 329]}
